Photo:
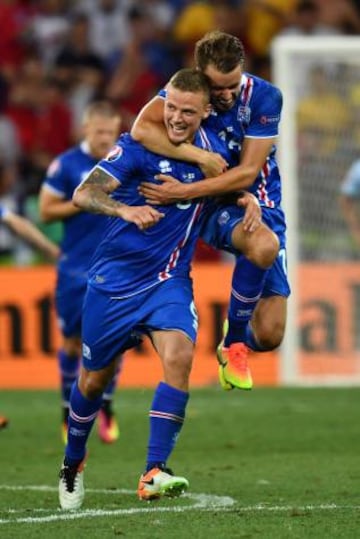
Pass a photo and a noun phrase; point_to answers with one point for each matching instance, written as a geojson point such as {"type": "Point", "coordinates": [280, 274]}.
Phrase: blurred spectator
{"type": "Point", "coordinates": [323, 115]}
{"type": "Point", "coordinates": [39, 111]}
{"type": "Point", "coordinates": [162, 12]}
{"type": "Point", "coordinates": [51, 110]}
{"type": "Point", "coordinates": [80, 70]}
{"type": "Point", "coordinates": [350, 200]}
{"type": "Point", "coordinates": [200, 17]}
{"type": "Point", "coordinates": [22, 100]}
{"type": "Point", "coordinates": [354, 101]}
{"type": "Point", "coordinates": [264, 20]}
{"type": "Point", "coordinates": [109, 30]}
{"type": "Point", "coordinates": [260, 66]}
{"type": "Point", "coordinates": [134, 81]}
{"type": "Point", "coordinates": [307, 21]}
{"type": "Point", "coordinates": [339, 14]}
{"type": "Point", "coordinates": [15, 17]}
{"type": "Point", "coordinates": [9, 141]}
{"type": "Point", "coordinates": [49, 28]}
{"type": "Point", "coordinates": [194, 21]}
{"type": "Point", "coordinates": [162, 51]}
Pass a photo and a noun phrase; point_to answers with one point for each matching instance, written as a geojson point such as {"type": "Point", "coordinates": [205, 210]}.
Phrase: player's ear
{"type": "Point", "coordinates": [207, 111]}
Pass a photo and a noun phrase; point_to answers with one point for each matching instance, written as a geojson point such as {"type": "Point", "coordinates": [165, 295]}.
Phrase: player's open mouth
{"type": "Point", "coordinates": [177, 128]}
{"type": "Point", "coordinates": [226, 103]}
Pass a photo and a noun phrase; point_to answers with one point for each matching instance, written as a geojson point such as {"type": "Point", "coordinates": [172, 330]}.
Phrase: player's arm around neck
{"type": "Point", "coordinates": [253, 156]}
{"type": "Point", "coordinates": [149, 130]}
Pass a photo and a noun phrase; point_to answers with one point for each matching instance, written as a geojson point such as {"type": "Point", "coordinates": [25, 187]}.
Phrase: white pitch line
{"type": "Point", "coordinates": [203, 502]}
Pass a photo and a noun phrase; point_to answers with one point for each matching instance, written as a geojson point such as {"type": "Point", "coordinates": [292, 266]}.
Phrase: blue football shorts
{"type": "Point", "coordinates": [69, 297]}
{"type": "Point", "coordinates": [217, 230]}
{"type": "Point", "coordinates": [112, 325]}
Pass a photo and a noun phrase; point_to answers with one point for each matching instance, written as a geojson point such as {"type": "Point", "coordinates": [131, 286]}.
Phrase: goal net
{"type": "Point", "coordinates": [319, 140]}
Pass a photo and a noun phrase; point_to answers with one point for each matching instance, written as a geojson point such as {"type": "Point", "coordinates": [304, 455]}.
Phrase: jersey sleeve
{"type": "Point", "coordinates": [266, 113]}
{"type": "Point", "coordinates": [56, 179]}
{"type": "Point", "coordinates": [351, 184]}
{"type": "Point", "coordinates": [123, 161]}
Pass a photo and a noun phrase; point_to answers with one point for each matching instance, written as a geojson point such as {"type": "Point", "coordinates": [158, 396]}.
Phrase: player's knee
{"type": "Point", "coordinates": [179, 363]}
{"type": "Point", "coordinates": [72, 347]}
{"type": "Point", "coordinates": [91, 385]}
{"type": "Point", "coordinates": [270, 335]}
{"type": "Point", "coordinates": [265, 250]}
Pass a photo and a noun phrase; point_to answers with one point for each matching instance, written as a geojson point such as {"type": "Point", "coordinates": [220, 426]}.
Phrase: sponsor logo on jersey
{"type": "Point", "coordinates": [269, 119]}
{"type": "Point", "coordinates": [165, 166]}
{"type": "Point", "coordinates": [114, 153]}
{"type": "Point", "coordinates": [244, 113]}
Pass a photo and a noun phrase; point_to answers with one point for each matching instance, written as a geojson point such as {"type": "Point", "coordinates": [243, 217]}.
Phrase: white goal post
{"type": "Point", "coordinates": [319, 139]}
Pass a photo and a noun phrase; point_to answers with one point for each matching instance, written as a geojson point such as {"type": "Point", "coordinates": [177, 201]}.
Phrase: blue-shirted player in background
{"type": "Point", "coordinates": [139, 282]}
{"type": "Point", "coordinates": [246, 116]}
{"type": "Point", "coordinates": [26, 230]}
{"type": "Point", "coordinates": [81, 234]}
{"type": "Point", "coordinates": [350, 200]}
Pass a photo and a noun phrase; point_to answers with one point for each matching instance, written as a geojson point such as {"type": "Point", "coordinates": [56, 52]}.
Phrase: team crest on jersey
{"type": "Point", "coordinates": [54, 167]}
{"type": "Point", "coordinates": [189, 177]}
{"type": "Point", "coordinates": [244, 113]}
{"type": "Point", "coordinates": [114, 153]}
{"type": "Point", "coordinates": [223, 218]}
{"type": "Point", "coordinates": [165, 166]}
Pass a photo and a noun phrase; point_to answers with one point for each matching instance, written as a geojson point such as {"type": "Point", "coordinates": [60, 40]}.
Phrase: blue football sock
{"type": "Point", "coordinates": [247, 285]}
{"type": "Point", "coordinates": [82, 415]}
{"type": "Point", "coordinates": [167, 415]}
{"type": "Point", "coordinates": [69, 369]}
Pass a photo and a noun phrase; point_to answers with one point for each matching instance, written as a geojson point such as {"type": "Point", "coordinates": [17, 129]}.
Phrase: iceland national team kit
{"type": "Point", "coordinates": [255, 114]}
{"type": "Point", "coordinates": [81, 234]}
{"type": "Point", "coordinates": [139, 280]}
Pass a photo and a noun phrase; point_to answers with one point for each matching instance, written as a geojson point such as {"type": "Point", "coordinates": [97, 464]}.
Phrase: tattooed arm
{"type": "Point", "coordinates": [93, 193]}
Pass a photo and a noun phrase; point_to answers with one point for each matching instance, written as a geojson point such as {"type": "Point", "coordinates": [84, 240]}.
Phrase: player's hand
{"type": "Point", "coordinates": [53, 253]}
{"type": "Point", "coordinates": [212, 164]}
{"type": "Point", "coordinates": [252, 217]}
{"type": "Point", "coordinates": [142, 216]}
{"type": "Point", "coordinates": [168, 192]}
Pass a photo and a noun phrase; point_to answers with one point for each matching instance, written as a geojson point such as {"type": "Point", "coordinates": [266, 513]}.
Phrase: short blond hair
{"type": "Point", "coordinates": [100, 108]}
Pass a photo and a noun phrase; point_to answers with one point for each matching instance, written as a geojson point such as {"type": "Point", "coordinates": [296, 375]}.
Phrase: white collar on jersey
{"type": "Point", "coordinates": [84, 145]}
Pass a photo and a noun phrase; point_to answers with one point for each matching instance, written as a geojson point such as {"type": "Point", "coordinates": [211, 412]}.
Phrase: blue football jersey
{"type": "Point", "coordinates": [128, 260]}
{"type": "Point", "coordinates": [255, 114]}
{"type": "Point", "coordinates": [82, 231]}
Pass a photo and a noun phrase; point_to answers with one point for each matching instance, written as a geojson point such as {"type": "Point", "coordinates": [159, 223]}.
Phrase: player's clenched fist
{"type": "Point", "coordinates": [142, 216]}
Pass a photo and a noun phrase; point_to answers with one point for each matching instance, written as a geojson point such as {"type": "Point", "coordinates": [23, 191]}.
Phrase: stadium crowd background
{"type": "Point", "coordinates": [56, 56]}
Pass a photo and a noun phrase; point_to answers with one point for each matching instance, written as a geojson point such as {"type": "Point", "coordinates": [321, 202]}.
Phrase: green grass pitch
{"type": "Point", "coordinates": [265, 464]}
